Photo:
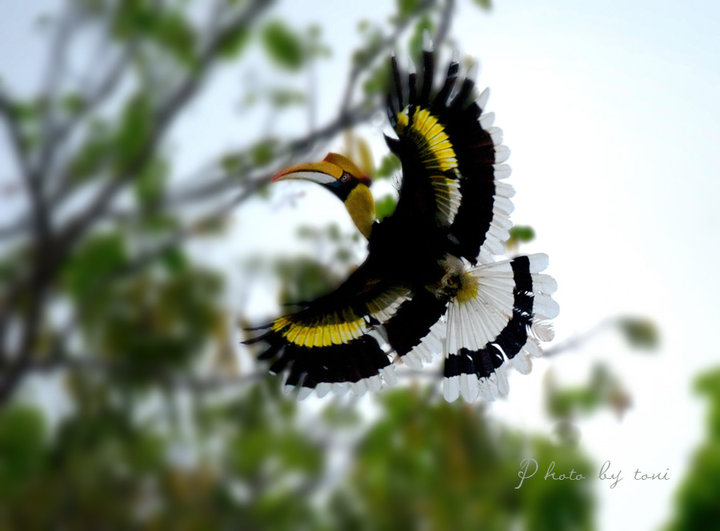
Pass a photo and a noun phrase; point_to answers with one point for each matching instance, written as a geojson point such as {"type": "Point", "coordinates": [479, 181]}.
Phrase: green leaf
{"type": "Point", "coordinates": [286, 97]}
{"type": "Point", "coordinates": [484, 4]}
{"type": "Point", "coordinates": [231, 162]}
{"type": "Point", "coordinates": [150, 184]}
{"type": "Point", "coordinates": [169, 30]}
{"type": "Point", "coordinates": [262, 153]}
{"type": "Point", "coordinates": [91, 157]}
{"type": "Point", "coordinates": [384, 207]}
{"type": "Point", "coordinates": [177, 36]}
{"type": "Point", "coordinates": [283, 45]}
{"type": "Point", "coordinates": [603, 390]}
{"type": "Point", "coordinates": [100, 255]}
{"type": "Point", "coordinates": [520, 233]}
{"type": "Point", "coordinates": [563, 403]}
{"type": "Point", "coordinates": [73, 102]}
{"type": "Point", "coordinates": [407, 8]}
{"type": "Point", "coordinates": [174, 260]}
{"type": "Point", "coordinates": [25, 111]}
{"type": "Point", "coordinates": [157, 222]}
{"type": "Point", "coordinates": [389, 166]}
{"type": "Point", "coordinates": [235, 43]}
{"type": "Point", "coordinates": [134, 131]}
{"type": "Point", "coordinates": [303, 279]}
{"type": "Point", "coordinates": [708, 383]}
{"type": "Point", "coordinates": [22, 441]}
{"type": "Point", "coordinates": [641, 333]}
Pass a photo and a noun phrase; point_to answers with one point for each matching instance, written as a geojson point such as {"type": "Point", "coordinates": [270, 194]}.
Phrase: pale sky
{"type": "Point", "coordinates": [611, 112]}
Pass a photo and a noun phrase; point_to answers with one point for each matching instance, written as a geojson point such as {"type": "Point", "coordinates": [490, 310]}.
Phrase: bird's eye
{"type": "Point", "coordinates": [345, 178]}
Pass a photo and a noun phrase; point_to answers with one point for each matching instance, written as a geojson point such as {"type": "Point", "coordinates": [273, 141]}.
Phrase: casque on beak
{"type": "Point", "coordinates": [343, 178]}
{"type": "Point", "coordinates": [318, 172]}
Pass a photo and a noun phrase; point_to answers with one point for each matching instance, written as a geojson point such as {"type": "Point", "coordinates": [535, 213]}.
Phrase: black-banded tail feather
{"type": "Point", "coordinates": [430, 283]}
{"type": "Point", "coordinates": [333, 344]}
{"type": "Point", "coordinates": [415, 332]}
{"type": "Point", "coordinates": [357, 365]}
{"type": "Point", "coordinates": [499, 319]}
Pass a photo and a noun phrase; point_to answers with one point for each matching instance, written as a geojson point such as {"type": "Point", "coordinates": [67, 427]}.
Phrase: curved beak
{"type": "Point", "coordinates": [317, 172]}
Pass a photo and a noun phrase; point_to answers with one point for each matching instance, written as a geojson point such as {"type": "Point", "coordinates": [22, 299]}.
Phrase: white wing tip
{"type": "Point", "coordinates": [473, 70]}
{"type": "Point", "coordinates": [483, 98]}
{"type": "Point", "coordinates": [451, 389]}
{"type": "Point", "coordinates": [538, 262]}
{"type": "Point", "coordinates": [502, 153]}
{"type": "Point", "coordinates": [427, 41]}
{"type": "Point", "coordinates": [487, 119]}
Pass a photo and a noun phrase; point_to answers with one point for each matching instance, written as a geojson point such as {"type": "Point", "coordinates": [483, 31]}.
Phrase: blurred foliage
{"type": "Point", "coordinates": [157, 418]}
{"type": "Point", "coordinates": [303, 279]}
{"type": "Point", "coordinates": [520, 234]}
{"type": "Point", "coordinates": [357, 149]}
{"type": "Point", "coordinates": [430, 464]}
{"type": "Point", "coordinates": [415, 44]}
{"type": "Point", "coordinates": [485, 4]}
{"type": "Point", "coordinates": [282, 45]}
{"type": "Point", "coordinates": [169, 30]}
{"type": "Point", "coordinates": [641, 333]}
{"type": "Point", "coordinates": [603, 390]}
{"type": "Point", "coordinates": [385, 206]}
{"type": "Point", "coordinates": [389, 167]}
{"type": "Point", "coordinates": [697, 499]}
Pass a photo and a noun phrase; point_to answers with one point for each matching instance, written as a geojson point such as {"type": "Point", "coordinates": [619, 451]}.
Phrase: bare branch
{"type": "Point", "coordinates": [17, 367]}
{"type": "Point", "coordinates": [8, 115]}
{"type": "Point", "coordinates": [577, 341]}
{"type": "Point", "coordinates": [445, 21]}
{"type": "Point", "coordinates": [285, 154]}
{"type": "Point", "coordinates": [50, 256]}
{"type": "Point", "coordinates": [387, 43]}
{"type": "Point", "coordinates": [91, 101]}
{"type": "Point", "coordinates": [52, 249]}
{"type": "Point", "coordinates": [61, 133]}
{"type": "Point", "coordinates": [29, 177]}
{"type": "Point", "coordinates": [347, 117]}
{"type": "Point", "coordinates": [54, 74]}
{"type": "Point", "coordinates": [163, 119]}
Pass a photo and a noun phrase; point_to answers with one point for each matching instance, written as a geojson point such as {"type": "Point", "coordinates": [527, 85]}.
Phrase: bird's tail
{"type": "Point", "coordinates": [498, 318]}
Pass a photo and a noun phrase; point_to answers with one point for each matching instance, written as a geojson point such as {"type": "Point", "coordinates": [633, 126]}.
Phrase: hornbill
{"type": "Point", "coordinates": [430, 283]}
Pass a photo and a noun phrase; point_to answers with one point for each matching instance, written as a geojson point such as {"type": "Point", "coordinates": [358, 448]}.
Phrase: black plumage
{"type": "Point", "coordinates": [430, 283]}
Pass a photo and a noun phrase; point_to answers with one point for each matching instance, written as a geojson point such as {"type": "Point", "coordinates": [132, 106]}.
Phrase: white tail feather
{"type": "Point", "coordinates": [478, 322]}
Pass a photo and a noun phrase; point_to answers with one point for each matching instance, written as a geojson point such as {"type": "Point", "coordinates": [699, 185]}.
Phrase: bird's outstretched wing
{"type": "Point", "coordinates": [453, 169]}
{"type": "Point", "coordinates": [416, 295]}
{"type": "Point", "coordinates": [452, 157]}
{"type": "Point", "coordinates": [331, 342]}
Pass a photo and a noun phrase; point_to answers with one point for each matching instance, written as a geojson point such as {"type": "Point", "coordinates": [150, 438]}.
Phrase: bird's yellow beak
{"type": "Point", "coordinates": [318, 172]}
{"type": "Point", "coordinates": [343, 178]}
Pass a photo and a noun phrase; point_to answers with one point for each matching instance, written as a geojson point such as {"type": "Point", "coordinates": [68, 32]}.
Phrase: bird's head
{"type": "Point", "coordinates": [343, 178]}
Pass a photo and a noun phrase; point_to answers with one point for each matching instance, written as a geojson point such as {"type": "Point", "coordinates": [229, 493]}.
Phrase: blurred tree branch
{"type": "Point", "coordinates": [51, 250]}
{"type": "Point", "coordinates": [48, 135]}
{"type": "Point", "coordinates": [163, 117]}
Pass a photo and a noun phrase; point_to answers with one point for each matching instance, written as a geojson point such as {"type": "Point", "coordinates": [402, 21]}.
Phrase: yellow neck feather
{"type": "Point", "coordinates": [361, 207]}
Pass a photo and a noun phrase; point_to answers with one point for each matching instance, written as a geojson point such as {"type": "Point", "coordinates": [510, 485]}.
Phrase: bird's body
{"type": "Point", "coordinates": [430, 283]}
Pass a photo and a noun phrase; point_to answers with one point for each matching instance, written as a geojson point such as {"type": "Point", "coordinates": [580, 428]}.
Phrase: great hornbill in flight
{"type": "Point", "coordinates": [430, 283]}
